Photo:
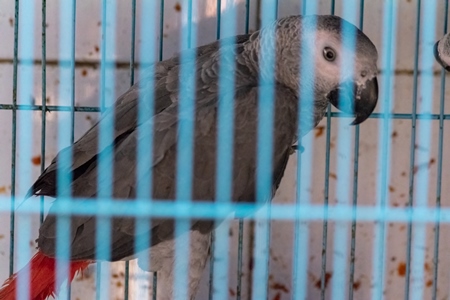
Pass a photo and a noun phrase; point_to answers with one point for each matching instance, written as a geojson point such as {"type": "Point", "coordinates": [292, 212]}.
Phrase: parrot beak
{"type": "Point", "coordinates": [437, 56]}
{"type": "Point", "coordinates": [359, 100]}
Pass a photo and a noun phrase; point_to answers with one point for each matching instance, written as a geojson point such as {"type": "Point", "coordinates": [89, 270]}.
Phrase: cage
{"type": "Point", "coordinates": [361, 211]}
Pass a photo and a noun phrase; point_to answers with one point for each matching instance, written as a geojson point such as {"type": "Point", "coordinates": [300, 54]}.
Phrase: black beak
{"type": "Point", "coordinates": [438, 57]}
{"type": "Point", "coordinates": [357, 100]}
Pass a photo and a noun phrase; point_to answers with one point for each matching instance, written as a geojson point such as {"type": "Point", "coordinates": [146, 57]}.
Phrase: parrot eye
{"type": "Point", "coordinates": [329, 54]}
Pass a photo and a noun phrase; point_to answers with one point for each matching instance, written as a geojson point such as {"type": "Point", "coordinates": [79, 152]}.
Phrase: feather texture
{"type": "Point", "coordinates": [42, 277]}
{"type": "Point", "coordinates": [289, 37]}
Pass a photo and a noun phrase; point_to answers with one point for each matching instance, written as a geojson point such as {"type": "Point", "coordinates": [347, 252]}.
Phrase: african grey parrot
{"type": "Point", "coordinates": [293, 36]}
{"type": "Point", "coordinates": [442, 51]}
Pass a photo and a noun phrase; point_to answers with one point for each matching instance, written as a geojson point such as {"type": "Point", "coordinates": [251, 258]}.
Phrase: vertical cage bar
{"type": "Point", "coordinates": [14, 139]}
{"type": "Point", "coordinates": [247, 16]}
{"type": "Point", "coordinates": [439, 168]}
{"type": "Point", "coordinates": [344, 172]}
{"type": "Point", "coordinates": [161, 30]}
{"type": "Point", "coordinates": [384, 147]}
{"type": "Point", "coordinates": [239, 268]}
{"type": "Point", "coordinates": [25, 137]}
{"type": "Point", "coordinates": [133, 41]}
{"type": "Point", "coordinates": [126, 289]}
{"type": "Point", "coordinates": [412, 149]}
{"type": "Point", "coordinates": [72, 70]}
{"type": "Point", "coordinates": [105, 171]}
{"type": "Point", "coordinates": [424, 138]}
{"type": "Point", "coordinates": [219, 17]}
{"type": "Point", "coordinates": [269, 218]}
{"type": "Point", "coordinates": [241, 221]}
{"type": "Point", "coordinates": [44, 97]}
{"type": "Point", "coordinates": [145, 140]}
{"type": "Point", "coordinates": [186, 114]}
{"type": "Point", "coordinates": [155, 284]}
{"type": "Point", "coordinates": [212, 249]}
{"type": "Point", "coordinates": [304, 165]}
{"type": "Point", "coordinates": [65, 138]}
{"type": "Point", "coordinates": [213, 232]}
{"type": "Point", "coordinates": [355, 184]}
{"type": "Point", "coordinates": [326, 191]}
{"type": "Point", "coordinates": [225, 146]}
{"type": "Point", "coordinates": [161, 49]}
{"type": "Point", "coordinates": [264, 151]}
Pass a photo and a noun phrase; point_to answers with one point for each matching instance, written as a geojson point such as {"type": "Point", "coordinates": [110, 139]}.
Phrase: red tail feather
{"type": "Point", "coordinates": [42, 278]}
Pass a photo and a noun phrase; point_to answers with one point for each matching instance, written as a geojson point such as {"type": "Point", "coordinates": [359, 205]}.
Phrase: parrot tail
{"type": "Point", "coordinates": [42, 274]}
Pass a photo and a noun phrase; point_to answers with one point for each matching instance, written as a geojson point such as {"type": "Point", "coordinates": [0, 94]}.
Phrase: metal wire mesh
{"type": "Point", "coordinates": [344, 204]}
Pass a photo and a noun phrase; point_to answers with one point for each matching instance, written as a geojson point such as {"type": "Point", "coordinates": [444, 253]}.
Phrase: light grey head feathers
{"type": "Point", "coordinates": [301, 41]}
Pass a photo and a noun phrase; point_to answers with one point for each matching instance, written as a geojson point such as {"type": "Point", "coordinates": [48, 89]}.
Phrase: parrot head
{"type": "Point", "coordinates": [442, 51]}
{"type": "Point", "coordinates": [345, 69]}
{"type": "Point", "coordinates": [348, 65]}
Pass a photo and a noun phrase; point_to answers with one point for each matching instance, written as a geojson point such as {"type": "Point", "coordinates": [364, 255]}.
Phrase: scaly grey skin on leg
{"type": "Point", "coordinates": [292, 36]}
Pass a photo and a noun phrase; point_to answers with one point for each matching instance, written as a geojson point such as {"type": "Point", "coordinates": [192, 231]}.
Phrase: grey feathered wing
{"type": "Point", "coordinates": [165, 123]}
{"type": "Point", "coordinates": [85, 150]}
